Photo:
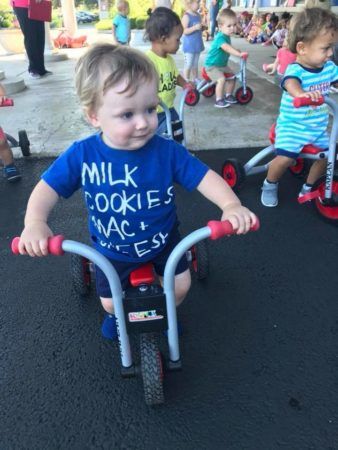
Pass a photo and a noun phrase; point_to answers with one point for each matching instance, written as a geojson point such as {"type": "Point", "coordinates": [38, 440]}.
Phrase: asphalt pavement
{"type": "Point", "coordinates": [259, 348]}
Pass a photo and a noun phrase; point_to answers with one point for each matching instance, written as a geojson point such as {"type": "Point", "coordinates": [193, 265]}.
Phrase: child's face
{"type": "Point", "coordinates": [315, 54]}
{"type": "Point", "coordinates": [194, 6]}
{"type": "Point", "coordinates": [124, 10]}
{"type": "Point", "coordinates": [228, 26]}
{"type": "Point", "coordinates": [127, 120]}
{"type": "Point", "coordinates": [172, 43]}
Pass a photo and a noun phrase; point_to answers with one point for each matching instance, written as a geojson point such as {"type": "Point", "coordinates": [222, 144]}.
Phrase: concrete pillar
{"type": "Point", "coordinates": [69, 18]}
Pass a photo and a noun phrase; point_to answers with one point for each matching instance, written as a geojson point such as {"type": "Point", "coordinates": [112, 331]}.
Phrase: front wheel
{"type": "Point", "coordinates": [192, 97]}
{"type": "Point", "coordinates": [24, 143]}
{"type": "Point", "coordinates": [200, 259]}
{"type": "Point", "coordinates": [233, 173]}
{"type": "Point", "coordinates": [328, 212]}
{"type": "Point", "coordinates": [244, 99]}
{"type": "Point", "coordinates": [151, 369]}
{"type": "Point", "coordinates": [300, 168]}
{"type": "Point", "coordinates": [81, 276]}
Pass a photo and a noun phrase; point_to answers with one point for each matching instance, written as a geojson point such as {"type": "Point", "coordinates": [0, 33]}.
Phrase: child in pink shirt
{"type": "Point", "coordinates": [284, 57]}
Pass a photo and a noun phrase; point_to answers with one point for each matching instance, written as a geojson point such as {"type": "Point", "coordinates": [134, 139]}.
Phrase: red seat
{"type": "Point", "coordinates": [309, 149]}
{"type": "Point", "coordinates": [206, 76]}
{"type": "Point", "coordinates": [143, 275]}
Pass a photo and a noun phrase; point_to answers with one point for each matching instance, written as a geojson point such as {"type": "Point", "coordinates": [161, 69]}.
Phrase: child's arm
{"type": "Point", "coordinates": [215, 189]}
{"type": "Point", "coordinates": [184, 83]}
{"type": "Point", "coordinates": [227, 48]}
{"type": "Point", "coordinates": [34, 237]}
{"type": "Point", "coordinates": [274, 66]}
{"type": "Point", "coordinates": [294, 88]}
{"type": "Point", "coordinates": [113, 30]}
{"type": "Point", "coordinates": [185, 23]}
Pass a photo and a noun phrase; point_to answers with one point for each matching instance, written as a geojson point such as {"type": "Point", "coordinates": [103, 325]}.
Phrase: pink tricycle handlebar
{"type": "Point", "coordinates": [54, 245]}
{"type": "Point", "coordinates": [220, 229]}
{"type": "Point", "coordinates": [307, 101]}
{"type": "Point", "coordinates": [6, 102]}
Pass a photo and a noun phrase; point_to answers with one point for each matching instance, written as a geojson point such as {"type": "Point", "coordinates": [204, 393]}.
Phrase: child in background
{"type": "Point", "coordinates": [312, 36]}
{"type": "Point", "coordinates": [278, 37]}
{"type": "Point", "coordinates": [192, 39]}
{"type": "Point", "coordinates": [216, 62]}
{"type": "Point", "coordinates": [284, 57]}
{"type": "Point", "coordinates": [255, 30]}
{"type": "Point", "coordinates": [121, 24]}
{"type": "Point", "coordinates": [127, 174]}
{"type": "Point", "coordinates": [164, 31]}
{"type": "Point", "coordinates": [10, 171]}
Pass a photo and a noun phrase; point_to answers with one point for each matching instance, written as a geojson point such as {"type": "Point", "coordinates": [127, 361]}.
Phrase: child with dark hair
{"type": "Point", "coordinates": [164, 31]}
{"type": "Point", "coordinates": [312, 36]}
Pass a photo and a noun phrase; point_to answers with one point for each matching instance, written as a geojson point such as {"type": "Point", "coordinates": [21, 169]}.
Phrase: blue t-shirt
{"type": "Point", "coordinates": [122, 28]}
{"type": "Point", "coordinates": [129, 195]}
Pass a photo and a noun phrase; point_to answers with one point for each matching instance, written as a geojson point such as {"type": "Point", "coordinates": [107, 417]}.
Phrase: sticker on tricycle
{"type": "Point", "coordinates": [142, 316]}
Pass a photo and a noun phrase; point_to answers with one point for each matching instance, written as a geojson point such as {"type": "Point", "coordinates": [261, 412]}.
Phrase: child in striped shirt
{"type": "Point", "coordinates": [312, 36]}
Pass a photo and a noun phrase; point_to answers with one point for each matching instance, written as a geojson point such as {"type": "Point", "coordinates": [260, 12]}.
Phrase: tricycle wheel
{"type": "Point", "coordinates": [233, 173]}
{"type": "Point", "coordinates": [209, 92]}
{"type": "Point", "coordinates": [80, 272]}
{"type": "Point", "coordinates": [192, 97]}
{"type": "Point", "coordinates": [300, 169]}
{"type": "Point", "coordinates": [200, 259]}
{"type": "Point", "coordinates": [151, 369]}
{"type": "Point", "coordinates": [244, 99]}
{"type": "Point", "coordinates": [24, 143]}
{"type": "Point", "coordinates": [329, 213]}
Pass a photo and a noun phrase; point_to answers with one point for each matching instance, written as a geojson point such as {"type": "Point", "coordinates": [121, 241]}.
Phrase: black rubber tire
{"type": "Point", "coordinates": [200, 260]}
{"type": "Point", "coordinates": [210, 92]}
{"type": "Point", "coordinates": [301, 169]}
{"type": "Point", "coordinates": [24, 143]}
{"type": "Point", "coordinates": [81, 277]}
{"type": "Point", "coordinates": [233, 173]}
{"type": "Point", "coordinates": [244, 99]}
{"type": "Point", "coordinates": [192, 97]}
{"type": "Point", "coordinates": [151, 369]}
{"type": "Point", "coordinates": [328, 213]}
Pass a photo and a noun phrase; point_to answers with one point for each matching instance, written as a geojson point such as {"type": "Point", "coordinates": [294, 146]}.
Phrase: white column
{"type": "Point", "coordinates": [49, 46]}
{"type": "Point", "coordinates": [69, 18]}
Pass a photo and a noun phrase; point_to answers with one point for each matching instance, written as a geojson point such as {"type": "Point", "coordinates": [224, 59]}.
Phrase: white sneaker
{"type": "Point", "coordinates": [269, 195]}
{"type": "Point", "coordinates": [305, 190]}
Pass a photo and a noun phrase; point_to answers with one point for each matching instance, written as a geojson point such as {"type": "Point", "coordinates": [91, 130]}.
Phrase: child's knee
{"type": "Point", "coordinates": [107, 304]}
{"type": "Point", "coordinates": [182, 286]}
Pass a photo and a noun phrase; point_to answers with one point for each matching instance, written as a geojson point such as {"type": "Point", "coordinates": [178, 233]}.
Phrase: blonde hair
{"type": "Point", "coordinates": [188, 3]}
{"type": "Point", "coordinates": [103, 66]}
{"type": "Point", "coordinates": [308, 24]}
{"type": "Point", "coordinates": [121, 4]}
{"type": "Point", "coordinates": [224, 14]}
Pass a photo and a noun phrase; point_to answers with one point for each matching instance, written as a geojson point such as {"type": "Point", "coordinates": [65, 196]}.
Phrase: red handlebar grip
{"type": "Point", "coordinates": [7, 102]}
{"type": "Point", "coordinates": [306, 101]}
{"type": "Point", "coordinates": [54, 245]}
{"type": "Point", "coordinates": [220, 229]}
{"type": "Point", "coordinates": [245, 55]}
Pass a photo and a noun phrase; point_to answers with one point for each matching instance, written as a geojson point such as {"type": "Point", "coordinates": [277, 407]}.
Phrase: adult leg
{"type": "Point", "coordinates": [213, 18]}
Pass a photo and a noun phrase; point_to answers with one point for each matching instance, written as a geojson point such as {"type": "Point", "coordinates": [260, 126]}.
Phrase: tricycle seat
{"type": "Point", "coordinates": [143, 275]}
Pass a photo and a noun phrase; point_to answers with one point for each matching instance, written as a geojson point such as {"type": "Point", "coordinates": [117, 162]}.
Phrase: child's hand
{"type": "Point", "coordinates": [314, 95]}
{"type": "Point", "coordinates": [34, 239]}
{"type": "Point", "coordinates": [241, 218]}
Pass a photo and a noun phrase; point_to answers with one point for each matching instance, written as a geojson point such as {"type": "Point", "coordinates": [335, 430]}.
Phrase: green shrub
{"type": "Point", "coordinates": [103, 25]}
{"type": "Point", "coordinates": [140, 22]}
{"type": "Point", "coordinates": [6, 19]}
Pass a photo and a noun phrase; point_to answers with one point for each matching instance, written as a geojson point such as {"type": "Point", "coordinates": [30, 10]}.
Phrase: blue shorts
{"type": "Point", "coordinates": [123, 269]}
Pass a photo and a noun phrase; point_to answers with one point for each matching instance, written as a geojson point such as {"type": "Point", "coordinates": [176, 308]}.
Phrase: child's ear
{"type": "Point", "coordinates": [300, 48]}
{"type": "Point", "coordinates": [163, 38]}
{"type": "Point", "coordinates": [91, 116]}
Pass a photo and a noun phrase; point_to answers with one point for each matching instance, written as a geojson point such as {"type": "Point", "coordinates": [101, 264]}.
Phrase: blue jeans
{"type": "Point", "coordinates": [214, 9]}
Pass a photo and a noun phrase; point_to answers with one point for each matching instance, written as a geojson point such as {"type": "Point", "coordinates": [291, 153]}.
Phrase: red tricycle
{"type": "Point", "coordinates": [207, 87]}
{"type": "Point", "coordinates": [23, 141]}
{"type": "Point", "coordinates": [144, 308]}
{"type": "Point", "coordinates": [324, 192]}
